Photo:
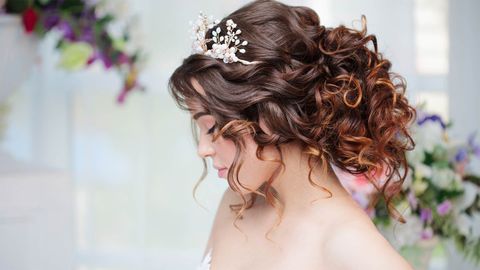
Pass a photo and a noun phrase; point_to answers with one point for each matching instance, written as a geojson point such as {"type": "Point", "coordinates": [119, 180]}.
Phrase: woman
{"type": "Point", "coordinates": [276, 100]}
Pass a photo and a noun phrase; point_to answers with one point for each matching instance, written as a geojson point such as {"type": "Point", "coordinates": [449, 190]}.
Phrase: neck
{"type": "Point", "coordinates": [293, 187]}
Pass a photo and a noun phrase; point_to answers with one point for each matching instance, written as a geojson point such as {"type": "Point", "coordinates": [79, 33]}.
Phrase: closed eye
{"type": "Point", "coordinates": [210, 131]}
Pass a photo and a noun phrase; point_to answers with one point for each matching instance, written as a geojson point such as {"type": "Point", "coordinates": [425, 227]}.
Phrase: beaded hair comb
{"type": "Point", "coordinates": [221, 48]}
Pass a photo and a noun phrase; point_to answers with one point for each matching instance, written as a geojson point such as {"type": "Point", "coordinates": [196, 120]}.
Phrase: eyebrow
{"type": "Point", "coordinates": [199, 114]}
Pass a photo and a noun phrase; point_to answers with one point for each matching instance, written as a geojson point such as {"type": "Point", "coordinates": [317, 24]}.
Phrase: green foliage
{"type": "Point", "coordinates": [17, 6]}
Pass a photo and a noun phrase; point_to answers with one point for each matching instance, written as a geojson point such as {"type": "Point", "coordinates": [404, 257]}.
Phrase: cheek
{"type": "Point", "coordinates": [254, 172]}
{"type": "Point", "coordinates": [225, 151]}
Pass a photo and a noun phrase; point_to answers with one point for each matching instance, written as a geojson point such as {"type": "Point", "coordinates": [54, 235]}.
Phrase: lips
{"type": "Point", "coordinates": [222, 171]}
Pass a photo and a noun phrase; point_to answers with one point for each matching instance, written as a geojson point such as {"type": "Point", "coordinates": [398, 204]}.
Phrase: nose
{"type": "Point", "coordinates": [205, 147]}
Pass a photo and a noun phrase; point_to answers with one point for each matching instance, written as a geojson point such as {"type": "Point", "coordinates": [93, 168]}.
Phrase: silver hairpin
{"type": "Point", "coordinates": [221, 48]}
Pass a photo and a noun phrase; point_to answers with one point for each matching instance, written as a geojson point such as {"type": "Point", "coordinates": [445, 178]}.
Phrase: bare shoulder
{"type": "Point", "coordinates": [357, 244]}
{"type": "Point", "coordinates": [223, 214]}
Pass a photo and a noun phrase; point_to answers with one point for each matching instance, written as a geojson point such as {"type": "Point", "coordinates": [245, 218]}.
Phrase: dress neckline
{"type": "Point", "coordinates": [205, 264]}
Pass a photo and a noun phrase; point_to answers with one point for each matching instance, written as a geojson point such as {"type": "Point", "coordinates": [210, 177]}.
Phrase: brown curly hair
{"type": "Point", "coordinates": [322, 86]}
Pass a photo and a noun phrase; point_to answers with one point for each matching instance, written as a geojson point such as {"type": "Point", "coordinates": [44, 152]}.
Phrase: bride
{"type": "Point", "coordinates": [276, 99]}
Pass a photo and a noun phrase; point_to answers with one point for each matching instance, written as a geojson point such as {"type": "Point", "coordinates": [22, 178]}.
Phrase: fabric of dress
{"type": "Point", "coordinates": [205, 264]}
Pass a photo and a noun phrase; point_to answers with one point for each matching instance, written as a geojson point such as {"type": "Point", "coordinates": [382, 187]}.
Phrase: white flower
{"type": "Point", "coordinates": [407, 183]}
{"type": "Point", "coordinates": [443, 177]}
{"type": "Point", "coordinates": [475, 225]}
{"type": "Point", "coordinates": [405, 234]}
{"type": "Point", "coordinates": [470, 192]}
{"type": "Point", "coordinates": [399, 234]}
{"type": "Point", "coordinates": [428, 135]}
{"type": "Point", "coordinates": [416, 156]}
{"type": "Point", "coordinates": [419, 186]}
{"type": "Point", "coordinates": [468, 226]}
{"type": "Point", "coordinates": [464, 223]}
{"type": "Point", "coordinates": [119, 9]}
{"type": "Point", "coordinates": [219, 50]}
{"type": "Point", "coordinates": [422, 170]}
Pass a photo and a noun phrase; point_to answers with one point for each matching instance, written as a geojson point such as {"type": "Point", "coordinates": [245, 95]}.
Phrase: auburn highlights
{"type": "Point", "coordinates": [326, 87]}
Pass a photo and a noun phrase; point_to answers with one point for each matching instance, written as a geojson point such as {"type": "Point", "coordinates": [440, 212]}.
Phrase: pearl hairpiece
{"type": "Point", "coordinates": [219, 50]}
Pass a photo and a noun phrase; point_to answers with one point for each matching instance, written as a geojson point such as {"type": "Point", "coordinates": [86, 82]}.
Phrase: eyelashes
{"type": "Point", "coordinates": [210, 131]}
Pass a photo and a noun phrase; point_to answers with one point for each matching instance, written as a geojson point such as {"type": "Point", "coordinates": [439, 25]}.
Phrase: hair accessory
{"type": "Point", "coordinates": [219, 50]}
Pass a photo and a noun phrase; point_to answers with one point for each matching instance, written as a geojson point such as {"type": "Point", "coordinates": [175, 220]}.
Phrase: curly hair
{"type": "Point", "coordinates": [324, 87]}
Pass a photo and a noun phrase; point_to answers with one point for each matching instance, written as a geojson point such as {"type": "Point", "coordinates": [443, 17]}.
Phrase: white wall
{"type": "Point", "coordinates": [133, 167]}
{"type": "Point", "coordinates": [463, 86]}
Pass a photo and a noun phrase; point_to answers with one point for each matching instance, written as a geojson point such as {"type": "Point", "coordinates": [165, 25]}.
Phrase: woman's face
{"type": "Point", "coordinates": [253, 173]}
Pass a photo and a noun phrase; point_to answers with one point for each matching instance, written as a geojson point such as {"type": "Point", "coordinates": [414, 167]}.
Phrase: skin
{"type": "Point", "coordinates": [316, 232]}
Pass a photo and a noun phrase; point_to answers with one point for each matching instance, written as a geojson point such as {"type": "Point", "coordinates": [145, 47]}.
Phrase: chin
{"type": "Point", "coordinates": [254, 174]}
{"type": "Point", "coordinates": [252, 185]}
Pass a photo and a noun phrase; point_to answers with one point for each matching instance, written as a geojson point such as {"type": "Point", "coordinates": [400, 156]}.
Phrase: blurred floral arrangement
{"type": "Point", "coordinates": [86, 37]}
{"type": "Point", "coordinates": [440, 197]}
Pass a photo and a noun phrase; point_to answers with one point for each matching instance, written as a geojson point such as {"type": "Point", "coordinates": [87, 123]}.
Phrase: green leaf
{"type": "Point", "coordinates": [17, 6]}
{"type": "Point", "coordinates": [73, 5]}
{"type": "Point", "coordinates": [102, 22]}
{"type": "Point", "coordinates": [44, 2]}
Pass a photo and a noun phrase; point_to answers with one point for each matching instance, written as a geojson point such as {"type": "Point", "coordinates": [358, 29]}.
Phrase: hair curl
{"type": "Point", "coordinates": [322, 86]}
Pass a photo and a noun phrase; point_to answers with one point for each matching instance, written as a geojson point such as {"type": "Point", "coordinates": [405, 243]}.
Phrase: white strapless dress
{"type": "Point", "coordinates": [205, 264]}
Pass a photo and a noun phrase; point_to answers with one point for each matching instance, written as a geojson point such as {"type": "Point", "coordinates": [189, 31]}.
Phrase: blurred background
{"type": "Point", "coordinates": [89, 183]}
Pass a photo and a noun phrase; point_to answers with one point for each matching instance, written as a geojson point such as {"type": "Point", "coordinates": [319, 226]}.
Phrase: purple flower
{"type": "Point", "coordinates": [461, 155]}
{"type": "Point", "coordinates": [444, 207]}
{"type": "Point", "coordinates": [471, 138]}
{"type": "Point", "coordinates": [427, 233]}
{"type": "Point", "coordinates": [121, 96]}
{"type": "Point", "coordinates": [432, 117]}
{"type": "Point", "coordinates": [107, 62]}
{"type": "Point", "coordinates": [95, 55]}
{"type": "Point", "coordinates": [476, 151]}
{"type": "Point", "coordinates": [475, 147]}
{"type": "Point", "coordinates": [91, 3]}
{"type": "Point", "coordinates": [98, 55]}
{"type": "Point", "coordinates": [87, 35]}
{"type": "Point", "coordinates": [67, 30]}
{"type": "Point", "coordinates": [426, 215]}
{"type": "Point", "coordinates": [412, 200]}
{"type": "Point", "coordinates": [51, 20]}
{"type": "Point", "coordinates": [123, 58]}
